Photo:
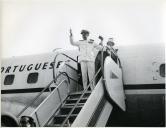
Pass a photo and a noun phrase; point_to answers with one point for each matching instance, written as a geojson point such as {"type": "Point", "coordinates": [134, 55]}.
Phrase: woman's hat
{"type": "Point", "coordinates": [110, 43]}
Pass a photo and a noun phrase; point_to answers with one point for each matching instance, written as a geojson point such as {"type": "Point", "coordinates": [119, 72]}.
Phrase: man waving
{"type": "Point", "coordinates": [86, 56]}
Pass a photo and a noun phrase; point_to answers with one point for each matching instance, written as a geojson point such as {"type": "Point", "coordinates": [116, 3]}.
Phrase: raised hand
{"type": "Point", "coordinates": [71, 33]}
{"type": "Point", "coordinates": [100, 37]}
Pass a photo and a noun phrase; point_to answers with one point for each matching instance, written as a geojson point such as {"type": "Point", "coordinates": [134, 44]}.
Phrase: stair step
{"type": "Point", "coordinates": [69, 107]}
{"type": "Point", "coordinates": [58, 125]}
{"type": "Point", "coordinates": [71, 101]}
{"type": "Point", "coordinates": [60, 118]}
{"type": "Point", "coordinates": [66, 109]}
{"type": "Point", "coordinates": [75, 93]}
{"type": "Point", "coordinates": [78, 95]}
{"type": "Point", "coordinates": [72, 115]}
{"type": "Point", "coordinates": [72, 104]}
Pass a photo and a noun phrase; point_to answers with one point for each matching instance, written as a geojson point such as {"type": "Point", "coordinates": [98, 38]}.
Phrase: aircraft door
{"type": "Point", "coordinates": [113, 82]}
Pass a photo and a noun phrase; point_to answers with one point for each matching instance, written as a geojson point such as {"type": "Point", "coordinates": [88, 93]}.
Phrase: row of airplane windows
{"type": "Point", "coordinates": [31, 79]}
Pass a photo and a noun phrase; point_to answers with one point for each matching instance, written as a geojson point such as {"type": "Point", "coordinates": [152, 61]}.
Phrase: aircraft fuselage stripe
{"type": "Point", "coordinates": [27, 90]}
{"type": "Point", "coordinates": [126, 87]}
{"type": "Point", "coordinates": [144, 86]}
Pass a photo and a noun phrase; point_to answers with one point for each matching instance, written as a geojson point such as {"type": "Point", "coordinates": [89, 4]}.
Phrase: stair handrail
{"type": "Point", "coordinates": [48, 86]}
{"type": "Point", "coordinates": [54, 62]}
{"type": "Point", "coordinates": [36, 98]}
{"type": "Point", "coordinates": [69, 57]}
{"type": "Point", "coordinates": [84, 91]}
{"type": "Point", "coordinates": [53, 81]}
{"type": "Point", "coordinates": [102, 62]}
{"type": "Point", "coordinates": [61, 53]}
{"type": "Point", "coordinates": [34, 112]}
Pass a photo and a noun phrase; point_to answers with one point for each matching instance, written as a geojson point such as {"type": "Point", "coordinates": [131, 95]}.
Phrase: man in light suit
{"type": "Point", "coordinates": [86, 57]}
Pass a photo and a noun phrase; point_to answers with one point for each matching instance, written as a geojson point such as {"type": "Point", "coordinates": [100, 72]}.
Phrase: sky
{"type": "Point", "coordinates": [37, 26]}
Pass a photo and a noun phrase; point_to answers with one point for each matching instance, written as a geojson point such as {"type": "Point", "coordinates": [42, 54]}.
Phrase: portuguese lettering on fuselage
{"type": "Point", "coordinates": [27, 67]}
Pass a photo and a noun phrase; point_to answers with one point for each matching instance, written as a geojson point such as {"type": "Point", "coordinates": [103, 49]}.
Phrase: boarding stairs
{"type": "Point", "coordinates": [63, 108]}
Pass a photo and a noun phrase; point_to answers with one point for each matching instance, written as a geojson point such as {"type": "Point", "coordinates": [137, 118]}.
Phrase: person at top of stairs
{"type": "Point", "coordinates": [86, 57]}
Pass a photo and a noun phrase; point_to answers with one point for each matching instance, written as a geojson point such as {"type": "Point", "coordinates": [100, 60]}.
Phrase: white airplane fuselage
{"type": "Point", "coordinates": [143, 79]}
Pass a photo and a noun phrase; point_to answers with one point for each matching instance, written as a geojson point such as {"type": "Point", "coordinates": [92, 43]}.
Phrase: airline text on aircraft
{"type": "Point", "coordinates": [25, 67]}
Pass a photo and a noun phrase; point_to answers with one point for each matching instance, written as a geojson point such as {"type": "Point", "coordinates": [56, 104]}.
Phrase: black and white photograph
{"type": "Point", "coordinates": [82, 63]}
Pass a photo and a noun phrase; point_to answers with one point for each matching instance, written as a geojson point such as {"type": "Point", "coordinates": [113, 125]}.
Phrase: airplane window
{"type": "Point", "coordinates": [162, 70]}
{"type": "Point", "coordinates": [9, 80]}
{"type": "Point", "coordinates": [32, 78]}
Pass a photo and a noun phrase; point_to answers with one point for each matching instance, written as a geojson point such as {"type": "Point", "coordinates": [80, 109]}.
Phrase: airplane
{"type": "Point", "coordinates": [46, 89]}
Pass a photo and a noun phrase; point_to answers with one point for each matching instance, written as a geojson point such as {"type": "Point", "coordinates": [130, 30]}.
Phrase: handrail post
{"type": "Point", "coordinates": [68, 88]}
{"type": "Point", "coordinates": [49, 89]}
{"type": "Point", "coordinates": [102, 62]}
{"type": "Point", "coordinates": [59, 95]}
{"type": "Point", "coordinates": [68, 123]}
{"type": "Point", "coordinates": [37, 118]}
